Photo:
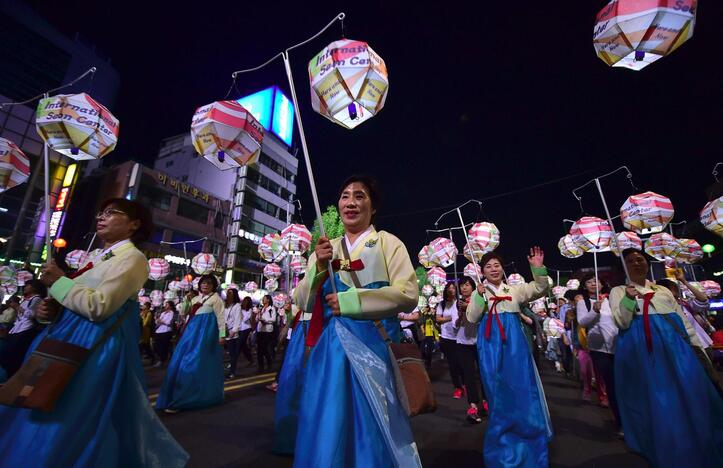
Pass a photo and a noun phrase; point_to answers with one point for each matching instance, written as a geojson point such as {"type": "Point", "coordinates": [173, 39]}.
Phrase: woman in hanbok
{"type": "Point", "coordinates": [670, 410]}
{"type": "Point", "coordinates": [194, 377]}
{"type": "Point", "coordinates": [103, 417]}
{"type": "Point", "coordinates": [350, 413]}
{"type": "Point", "coordinates": [519, 426]}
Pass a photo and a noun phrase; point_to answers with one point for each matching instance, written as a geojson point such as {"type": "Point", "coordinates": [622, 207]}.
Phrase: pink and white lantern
{"type": "Point", "coordinates": [271, 248]}
{"type": "Point", "coordinates": [425, 257]}
{"type": "Point", "coordinates": [23, 276]}
{"type": "Point", "coordinates": [473, 270]}
{"type": "Point", "coordinates": [279, 300]}
{"type": "Point", "coordinates": [711, 288]}
{"type": "Point", "coordinates": [437, 277]}
{"type": "Point", "coordinates": [647, 212]}
{"type": "Point", "coordinates": [485, 236]}
{"type": "Point", "coordinates": [573, 284]}
{"type": "Point", "coordinates": [568, 247]}
{"type": "Point", "coordinates": [251, 287]}
{"type": "Point", "coordinates": [156, 297]}
{"type": "Point", "coordinates": [14, 165]}
{"type": "Point", "coordinates": [591, 233]}
{"type": "Point", "coordinates": [443, 251]}
{"type": "Point", "coordinates": [272, 271]}
{"type": "Point", "coordinates": [515, 278]}
{"type": "Point", "coordinates": [174, 285]}
{"type": "Point", "coordinates": [427, 290]}
{"type": "Point", "coordinates": [203, 263]}
{"type": "Point", "coordinates": [76, 258]}
{"type": "Point", "coordinates": [159, 268]}
{"type": "Point", "coordinates": [689, 251]}
{"type": "Point", "coordinates": [473, 256]}
{"type": "Point", "coordinates": [661, 246]}
{"type": "Point", "coordinates": [711, 216]}
{"type": "Point", "coordinates": [271, 285]}
{"type": "Point", "coordinates": [296, 238]}
{"type": "Point", "coordinates": [298, 264]}
{"type": "Point", "coordinates": [626, 240]}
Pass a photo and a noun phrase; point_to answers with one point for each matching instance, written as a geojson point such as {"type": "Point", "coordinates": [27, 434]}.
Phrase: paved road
{"type": "Point", "coordinates": [238, 433]}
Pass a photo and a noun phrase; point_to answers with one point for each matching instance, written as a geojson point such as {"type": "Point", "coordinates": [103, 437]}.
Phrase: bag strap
{"type": "Point", "coordinates": [672, 323]}
{"type": "Point", "coordinates": [109, 331]}
{"type": "Point", "coordinates": [357, 284]}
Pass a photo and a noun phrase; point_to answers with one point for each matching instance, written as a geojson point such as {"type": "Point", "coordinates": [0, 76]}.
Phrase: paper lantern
{"type": "Point", "coordinates": [298, 264]}
{"type": "Point", "coordinates": [661, 245]}
{"type": "Point", "coordinates": [8, 289]}
{"type": "Point", "coordinates": [251, 287]}
{"type": "Point", "coordinates": [437, 277]}
{"type": "Point", "coordinates": [272, 270]}
{"type": "Point", "coordinates": [296, 238]}
{"type": "Point", "coordinates": [8, 275]}
{"type": "Point", "coordinates": [434, 301]}
{"type": "Point", "coordinates": [473, 256]}
{"type": "Point", "coordinates": [77, 126]}
{"type": "Point", "coordinates": [591, 233]}
{"type": "Point", "coordinates": [422, 302]}
{"type": "Point", "coordinates": [279, 300]}
{"type": "Point", "coordinates": [22, 277]}
{"type": "Point", "coordinates": [271, 249]}
{"type": "Point", "coordinates": [174, 286]}
{"type": "Point", "coordinates": [559, 291]}
{"type": "Point", "coordinates": [203, 263]}
{"type": "Point", "coordinates": [232, 286]}
{"type": "Point", "coordinates": [170, 296]}
{"type": "Point", "coordinates": [60, 243]}
{"type": "Point", "coordinates": [425, 257]}
{"type": "Point", "coordinates": [689, 251]}
{"type": "Point", "coordinates": [473, 270]}
{"type": "Point", "coordinates": [443, 251]}
{"type": "Point", "coordinates": [271, 285]}
{"type": "Point", "coordinates": [184, 285]}
{"type": "Point", "coordinates": [156, 297]}
{"type": "Point", "coordinates": [485, 236]}
{"type": "Point", "coordinates": [711, 288]}
{"type": "Point", "coordinates": [141, 293]}
{"type": "Point", "coordinates": [76, 258]}
{"type": "Point", "coordinates": [226, 134]}
{"type": "Point", "coordinates": [647, 212]}
{"type": "Point", "coordinates": [515, 278]}
{"type": "Point", "coordinates": [626, 240]}
{"type": "Point", "coordinates": [144, 300]}
{"type": "Point", "coordinates": [349, 82]}
{"type": "Point", "coordinates": [711, 216]}
{"type": "Point", "coordinates": [635, 33]}
{"type": "Point", "coordinates": [427, 290]}
{"type": "Point", "coordinates": [159, 268]}
{"type": "Point", "coordinates": [568, 247]}
{"type": "Point", "coordinates": [14, 165]}
{"type": "Point", "coordinates": [573, 284]}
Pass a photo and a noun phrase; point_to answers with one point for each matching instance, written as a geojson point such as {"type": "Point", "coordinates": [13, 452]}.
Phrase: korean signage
{"type": "Point", "coordinates": [183, 187]}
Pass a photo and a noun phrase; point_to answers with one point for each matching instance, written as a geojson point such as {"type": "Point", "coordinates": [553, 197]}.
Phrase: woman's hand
{"type": "Point", "coordinates": [596, 306]}
{"type": "Point", "coordinates": [333, 301]}
{"type": "Point", "coordinates": [50, 273]}
{"type": "Point", "coordinates": [324, 253]}
{"type": "Point", "coordinates": [631, 292]}
{"type": "Point", "coordinates": [481, 289]}
{"type": "Point", "coordinates": [462, 305]}
{"type": "Point", "coordinates": [48, 310]}
{"type": "Point", "coordinates": [536, 257]}
{"type": "Point", "coordinates": [526, 319]}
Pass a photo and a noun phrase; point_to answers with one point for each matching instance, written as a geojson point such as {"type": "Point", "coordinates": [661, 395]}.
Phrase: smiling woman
{"type": "Point", "coordinates": [103, 412]}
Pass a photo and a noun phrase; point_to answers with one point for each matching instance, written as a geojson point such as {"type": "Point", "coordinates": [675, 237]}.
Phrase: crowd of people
{"type": "Point", "coordinates": [647, 351]}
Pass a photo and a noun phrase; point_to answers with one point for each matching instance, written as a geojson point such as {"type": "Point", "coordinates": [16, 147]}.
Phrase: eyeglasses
{"type": "Point", "coordinates": [108, 212]}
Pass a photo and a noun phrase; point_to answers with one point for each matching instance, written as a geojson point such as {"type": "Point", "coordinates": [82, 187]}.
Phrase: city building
{"type": "Point", "coordinates": [182, 213]}
{"type": "Point", "coordinates": [36, 57]}
{"type": "Point", "coordinates": [262, 195]}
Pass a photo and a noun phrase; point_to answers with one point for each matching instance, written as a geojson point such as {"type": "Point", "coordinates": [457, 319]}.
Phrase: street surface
{"type": "Point", "coordinates": [238, 433]}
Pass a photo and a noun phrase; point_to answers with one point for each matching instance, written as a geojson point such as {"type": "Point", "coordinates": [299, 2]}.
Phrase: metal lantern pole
{"type": "Point", "coordinates": [469, 246]}
{"type": "Point", "coordinates": [46, 182]}
{"type": "Point", "coordinates": [597, 281]}
{"type": "Point", "coordinates": [610, 220]}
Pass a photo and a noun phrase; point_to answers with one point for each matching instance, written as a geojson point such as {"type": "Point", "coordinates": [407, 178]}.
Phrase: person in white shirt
{"type": "Point", "coordinates": [25, 329]}
{"type": "Point", "coordinates": [164, 332]}
{"type": "Point", "coordinates": [8, 316]}
{"type": "Point", "coordinates": [265, 334]}
{"type": "Point", "coordinates": [408, 322]}
{"type": "Point", "coordinates": [247, 326]}
{"type": "Point", "coordinates": [467, 349]}
{"type": "Point", "coordinates": [232, 312]}
{"type": "Point", "coordinates": [446, 311]}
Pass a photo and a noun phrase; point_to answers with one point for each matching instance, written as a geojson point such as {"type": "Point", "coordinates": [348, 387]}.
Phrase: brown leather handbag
{"type": "Point", "coordinates": [414, 389]}
{"type": "Point", "coordinates": [41, 380]}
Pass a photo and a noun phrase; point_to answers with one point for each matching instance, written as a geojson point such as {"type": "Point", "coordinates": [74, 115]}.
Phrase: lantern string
{"type": "Point", "coordinates": [715, 171]}
{"type": "Point", "coordinates": [629, 176]}
{"type": "Point", "coordinates": [91, 71]}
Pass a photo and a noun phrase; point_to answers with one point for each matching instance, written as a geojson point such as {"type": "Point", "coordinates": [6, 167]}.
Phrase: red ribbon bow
{"type": "Point", "coordinates": [353, 265]}
{"type": "Point", "coordinates": [646, 321]}
{"type": "Point", "coordinates": [81, 271]}
{"type": "Point", "coordinates": [493, 313]}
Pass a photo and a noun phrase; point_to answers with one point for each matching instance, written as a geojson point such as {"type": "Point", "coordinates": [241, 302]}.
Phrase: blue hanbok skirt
{"type": "Point", "coordinates": [194, 377]}
{"type": "Point", "coordinates": [350, 415]}
{"type": "Point", "coordinates": [671, 412]}
{"type": "Point", "coordinates": [288, 394]}
{"type": "Point", "coordinates": [103, 418]}
{"type": "Point", "coordinates": [519, 426]}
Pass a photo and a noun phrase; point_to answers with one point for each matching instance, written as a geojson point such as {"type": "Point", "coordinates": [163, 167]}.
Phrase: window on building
{"type": "Point", "coordinates": [257, 179]}
{"type": "Point", "coordinates": [150, 195]}
{"type": "Point", "coordinates": [169, 163]}
{"type": "Point", "coordinates": [193, 211]}
{"type": "Point", "coordinates": [218, 220]}
{"type": "Point", "coordinates": [277, 167]}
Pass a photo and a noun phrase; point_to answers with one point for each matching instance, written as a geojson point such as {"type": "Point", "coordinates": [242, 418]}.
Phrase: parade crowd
{"type": "Point", "coordinates": [646, 350]}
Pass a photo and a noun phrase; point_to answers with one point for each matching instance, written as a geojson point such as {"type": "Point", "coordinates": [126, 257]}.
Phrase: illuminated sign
{"type": "Point", "coordinates": [177, 260]}
{"type": "Point", "coordinates": [273, 110]}
{"type": "Point", "coordinates": [62, 198]}
{"type": "Point", "coordinates": [55, 221]}
{"type": "Point", "coordinates": [69, 175]}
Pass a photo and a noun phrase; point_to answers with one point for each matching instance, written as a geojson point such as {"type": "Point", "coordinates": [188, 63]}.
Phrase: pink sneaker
{"type": "Point", "coordinates": [473, 415]}
{"type": "Point", "coordinates": [484, 405]}
{"type": "Point", "coordinates": [457, 393]}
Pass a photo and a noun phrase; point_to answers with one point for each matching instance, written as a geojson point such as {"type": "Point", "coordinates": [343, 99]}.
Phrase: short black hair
{"type": "Point", "coordinates": [135, 211]}
{"type": "Point", "coordinates": [466, 279]}
{"type": "Point", "coordinates": [246, 303]}
{"type": "Point", "coordinates": [211, 278]}
{"type": "Point", "coordinates": [570, 294]}
{"type": "Point", "coordinates": [630, 251]}
{"type": "Point", "coordinates": [490, 256]}
{"type": "Point", "coordinates": [372, 187]}
{"type": "Point", "coordinates": [37, 286]}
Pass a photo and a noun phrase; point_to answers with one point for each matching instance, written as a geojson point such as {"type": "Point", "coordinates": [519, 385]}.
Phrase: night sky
{"type": "Point", "coordinates": [510, 104]}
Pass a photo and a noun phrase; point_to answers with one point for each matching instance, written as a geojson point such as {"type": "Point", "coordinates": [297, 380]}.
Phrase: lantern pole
{"type": "Point", "coordinates": [92, 239]}
{"type": "Point", "coordinates": [614, 240]}
{"type": "Point", "coordinates": [469, 246]}
{"type": "Point", "coordinates": [46, 187]}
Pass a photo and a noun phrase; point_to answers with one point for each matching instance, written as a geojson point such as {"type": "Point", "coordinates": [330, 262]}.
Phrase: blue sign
{"type": "Point", "coordinates": [273, 110]}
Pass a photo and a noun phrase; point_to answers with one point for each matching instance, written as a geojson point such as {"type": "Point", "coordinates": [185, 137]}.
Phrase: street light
{"type": "Point", "coordinates": [709, 249]}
